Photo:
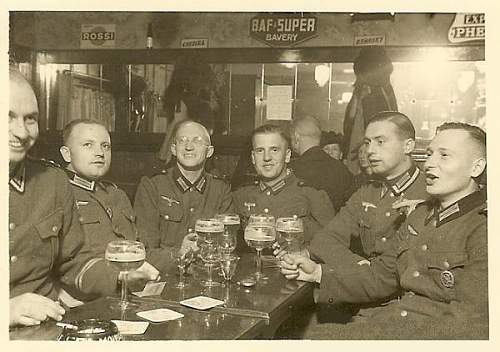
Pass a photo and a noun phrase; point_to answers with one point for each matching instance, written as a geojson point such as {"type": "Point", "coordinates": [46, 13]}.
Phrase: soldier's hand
{"type": "Point", "coordinates": [300, 268]}
{"type": "Point", "coordinates": [288, 267]}
{"type": "Point", "coordinates": [189, 244]}
{"type": "Point", "coordinates": [145, 272]}
{"type": "Point", "coordinates": [32, 309]}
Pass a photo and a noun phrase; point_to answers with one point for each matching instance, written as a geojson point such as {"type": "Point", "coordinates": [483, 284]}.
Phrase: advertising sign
{"type": "Point", "coordinates": [467, 27]}
{"type": "Point", "coordinates": [283, 29]}
{"type": "Point", "coordinates": [97, 36]}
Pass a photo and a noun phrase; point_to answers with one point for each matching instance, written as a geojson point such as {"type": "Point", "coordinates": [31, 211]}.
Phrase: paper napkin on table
{"type": "Point", "coordinates": [151, 289]}
{"type": "Point", "coordinates": [201, 302]}
{"type": "Point", "coordinates": [159, 315]}
{"type": "Point", "coordinates": [126, 327]}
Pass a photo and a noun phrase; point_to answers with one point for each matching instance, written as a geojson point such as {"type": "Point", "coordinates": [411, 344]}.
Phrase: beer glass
{"type": "Point", "coordinates": [290, 229]}
{"type": "Point", "coordinates": [260, 233]}
{"type": "Point", "coordinates": [228, 239]}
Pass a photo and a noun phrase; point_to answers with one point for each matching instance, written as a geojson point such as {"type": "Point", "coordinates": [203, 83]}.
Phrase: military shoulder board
{"type": "Point", "coordinates": [48, 162]}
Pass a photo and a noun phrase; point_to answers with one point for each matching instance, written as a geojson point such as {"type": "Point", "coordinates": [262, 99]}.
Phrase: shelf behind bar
{"type": "Point", "coordinates": [470, 52]}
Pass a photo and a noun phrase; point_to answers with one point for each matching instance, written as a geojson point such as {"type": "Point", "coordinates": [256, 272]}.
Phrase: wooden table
{"type": "Point", "coordinates": [248, 313]}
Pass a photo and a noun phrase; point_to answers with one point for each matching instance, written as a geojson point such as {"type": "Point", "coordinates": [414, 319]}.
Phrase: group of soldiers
{"type": "Point", "coordinates": [407, 244]}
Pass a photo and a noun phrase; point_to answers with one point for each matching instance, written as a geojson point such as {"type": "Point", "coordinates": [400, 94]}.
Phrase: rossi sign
{"type": "Point", "coordinates": [97, 36]}
{"type": "Point", "coordinates": [283, 29]}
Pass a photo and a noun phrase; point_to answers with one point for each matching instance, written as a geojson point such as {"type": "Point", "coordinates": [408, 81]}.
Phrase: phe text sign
{"type": "Point", "coordinates": [467, 27]}
{"type": "Point", "coordinates": [283, 29]}
{"type": "Point", "coordinates": [97, 36]}
{"type": "Point", "coordinates": [369, 40]}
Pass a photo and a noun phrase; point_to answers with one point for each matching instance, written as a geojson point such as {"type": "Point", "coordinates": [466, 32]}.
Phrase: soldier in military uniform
{"type": "Point", "coordinates": [105, 212]}
{"type": "Point", "coordinates": [278, 191]}
{"type": "Point", "coordinates": [438, 259]}
{"type": "Point", "coordinates": [46, 242]}
{"type": "Point", "coordinates": [369, 219]}
{"type": "Point", "coordinates": [168, 204]}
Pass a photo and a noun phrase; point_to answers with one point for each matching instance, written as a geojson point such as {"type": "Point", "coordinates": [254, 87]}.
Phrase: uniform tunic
{"type": "Point", "coordinates": [104, 210]}
{"type": "Point", "coordinates": [167, 206]}
{"type": "Point", "coordinates": [288, 197]}
{"type": "Point", "coordinates": [46, 242]}
{"type": "Point", "coordinates": [441, 261]}
{"type": "Point", "coordinates": [368, 221]}
{"type": "Point", "coordinates": [321, 171]}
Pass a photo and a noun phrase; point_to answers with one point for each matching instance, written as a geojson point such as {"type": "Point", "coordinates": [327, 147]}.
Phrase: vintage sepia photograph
{"type": "Point", "coordinates": [247, 175]}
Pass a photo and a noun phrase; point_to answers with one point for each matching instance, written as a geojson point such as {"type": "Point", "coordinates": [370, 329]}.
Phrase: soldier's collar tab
{"type": "Point", "coordinates": [18, 179]}
{"type": "Point", "coordinates": [399, 184]}
{"type": "Point", "coordinates": [457, 209]}
{"type": "Point", "coordinates": [185, 185]}
{"type": "Point", "coordinates": [80, 181]}
{"type": "Point", "coordinates": [278, 186]}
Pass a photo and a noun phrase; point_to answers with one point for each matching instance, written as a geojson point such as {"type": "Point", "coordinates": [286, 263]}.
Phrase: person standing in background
{"type": "Point", "coordinates": [372, 93]}
{"type": "Point", "coordinates": [316, 167]}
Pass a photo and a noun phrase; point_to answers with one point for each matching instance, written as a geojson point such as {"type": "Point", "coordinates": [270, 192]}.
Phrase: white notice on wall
{"type": "Point", "coordinates": [279, 102]}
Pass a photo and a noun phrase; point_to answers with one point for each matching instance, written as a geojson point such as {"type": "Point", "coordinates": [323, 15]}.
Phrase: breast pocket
{"type": "Point", "coordinates": [124, 224]}
{"type": "Point", "coordinates": [45, 251]}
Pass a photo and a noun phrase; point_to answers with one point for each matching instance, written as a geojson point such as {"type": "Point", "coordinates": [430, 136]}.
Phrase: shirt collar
{"type": "Point", "coordinates": [457, 209]}
{"type": "Point", "coordinates": [278, 186]}
{"type": "Point", "coordinates": [18, 179]}
{"type": "Point", "coordinates": [80, 181]}
{"type": "Point", "coordinates": [185, 185]}
{"type": "Point", "coordinates": [400, 183]}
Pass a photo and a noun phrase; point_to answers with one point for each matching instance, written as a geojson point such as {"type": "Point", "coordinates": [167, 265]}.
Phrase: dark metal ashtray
{"type": "Point", "coordinates": [89, 330]}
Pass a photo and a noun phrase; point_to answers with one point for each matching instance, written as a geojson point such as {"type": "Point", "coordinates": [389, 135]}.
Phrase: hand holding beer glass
{"type": "Point", "coordinates": [126, 256]}
{"type": "Point", "coordinates": [290, 229]}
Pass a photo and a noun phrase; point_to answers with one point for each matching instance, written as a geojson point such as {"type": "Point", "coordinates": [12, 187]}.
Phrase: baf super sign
{"type": "Point", "coordinates": [283, 29]}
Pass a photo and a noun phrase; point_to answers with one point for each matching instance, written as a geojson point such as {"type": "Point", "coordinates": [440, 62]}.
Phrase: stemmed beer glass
{"type": "Point", "coordinates": [260, 233]}
{"type": "Point", "coordinates": [209, 231]}
{"type": "Point", "coordinates": [126, 256]}
{"type": "Point", "coordinates": [228, 239]}
{"type": "Point", "coordinates": [290, 228]}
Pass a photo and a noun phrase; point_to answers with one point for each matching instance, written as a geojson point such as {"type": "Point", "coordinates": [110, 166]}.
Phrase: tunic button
{"type": "Point", "coordinates": [330, 300]}
{"type": "Point", "coordinates": [424, 247]}
{"type": "Point", "coordinates": [383, 239]}
{"type": "Point", "coordinates": [12, 226]}
{"type": "Point", "coordinates": [388, 214]}
{"type": "Point", "coordinates": [404, 313]}
{"type": "Point", "coordinates": [13, 259]}
{"type": "Point", "coordinates": [80, 219]}
{"type": "Point", "coordinates": [416, 274]}
{"type": "Point", "coordinates": [266, 210]}
{"type": "Point", "coordinates": [191, 209]}
{"type": "Point", "coordinates": [268, 193]}
{"type": "Point", "coordinates": [391, 195]}
{"type": "Point", "coordinates": [446, 264]}
{"type": "Point", "coordinates": [166, 217]}
{"type": "Point", "coordinates": [54, 228]}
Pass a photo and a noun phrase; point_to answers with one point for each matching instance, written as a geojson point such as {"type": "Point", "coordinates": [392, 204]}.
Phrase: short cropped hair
{"type": "Point", "coordinates": [270, 129]}
{"type": "Point", "coordinates": [401, 121]}
{"type": "Point", "coordinates": [477, 134]}
{"type": "Point", "coordinates": [70, 126]}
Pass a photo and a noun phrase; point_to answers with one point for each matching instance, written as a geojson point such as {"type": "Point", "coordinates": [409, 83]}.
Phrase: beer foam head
{"type": "Point", "coordinates": [228, 219]}
{"type": "Point", "coordinates": [209, 225]}
{"type": "Point", "coordinates": [126, 257]}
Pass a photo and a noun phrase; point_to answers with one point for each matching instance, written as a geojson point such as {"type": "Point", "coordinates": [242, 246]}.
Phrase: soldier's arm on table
{"type": "Point", "coordinates": [351, 282]}
{"type": "Point", "coordinates": [76, 265]}
{"type": "Point", "coordinates": [337, 233]}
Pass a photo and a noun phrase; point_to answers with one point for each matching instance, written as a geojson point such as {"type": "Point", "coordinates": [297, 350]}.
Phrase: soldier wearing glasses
{"type": "Point", "coordinates": [168, 204]}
